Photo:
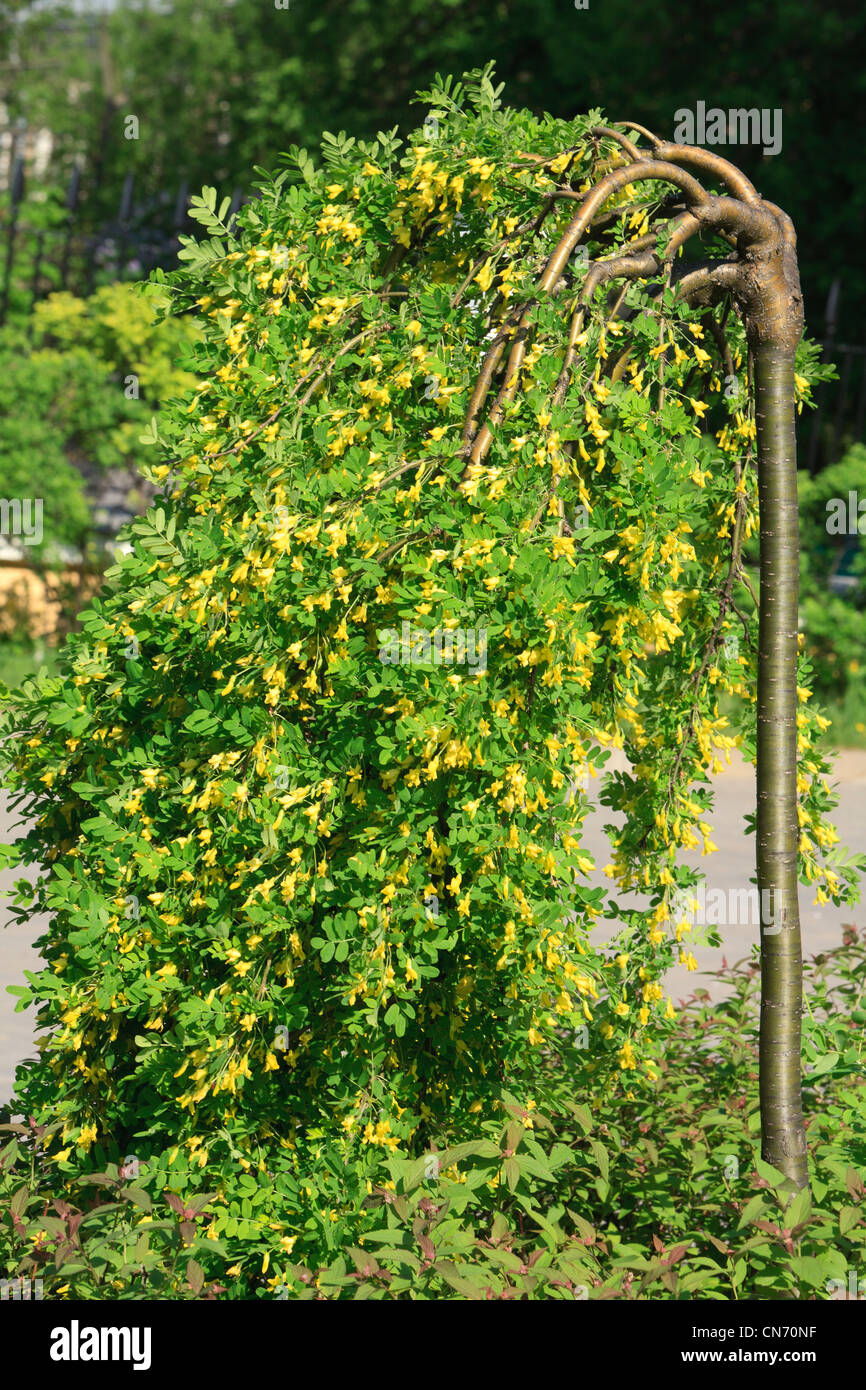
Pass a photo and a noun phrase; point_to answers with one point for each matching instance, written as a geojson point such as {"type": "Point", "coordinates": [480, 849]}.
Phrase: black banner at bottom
{"type": "Point", "coordinates": [54, 1338]}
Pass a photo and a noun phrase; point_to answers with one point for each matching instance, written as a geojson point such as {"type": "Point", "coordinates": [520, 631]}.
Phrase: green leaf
{"type": "Point", "coordinates": [601, 1156]}
{"type": "Point", "coordinates": [466, 1287]}
{"type": "Point", "coordinates": [752, 1210]}
{"type": "Point", "coordinates": [824, 1064]}
{"type": "Point", "coordinates": [849, 1217]}
{"type": "Point", "coordinates": [511, 1173]}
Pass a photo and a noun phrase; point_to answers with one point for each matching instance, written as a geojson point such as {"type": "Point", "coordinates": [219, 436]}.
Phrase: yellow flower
{"type": "Point", "coordinates": [87, 1136]}
{"type": "Point", "coordinates": [485, 275]}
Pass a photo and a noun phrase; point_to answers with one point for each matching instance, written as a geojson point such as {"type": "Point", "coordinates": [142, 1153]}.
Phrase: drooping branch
{"type": "Point", "coordinates": [691, 156]}
{"type": "Point", "coordinates": [762, 281]}
{"type": "Point", "coordinates": [704, 284]}
{"type": "Point", "coordinates": [652, 262]}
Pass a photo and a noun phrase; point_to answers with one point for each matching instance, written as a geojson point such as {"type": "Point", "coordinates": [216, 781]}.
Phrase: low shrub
{"type": "Point", "coordinates": [662, 1197]}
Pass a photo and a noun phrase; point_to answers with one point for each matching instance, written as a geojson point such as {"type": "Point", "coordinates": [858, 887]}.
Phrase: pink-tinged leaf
{"type": "Point", "coordinates": [195, 1276]}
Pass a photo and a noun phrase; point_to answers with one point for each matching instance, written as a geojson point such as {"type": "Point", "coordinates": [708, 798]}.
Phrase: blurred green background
{"type": "Point", "coordinates": [219, 87]}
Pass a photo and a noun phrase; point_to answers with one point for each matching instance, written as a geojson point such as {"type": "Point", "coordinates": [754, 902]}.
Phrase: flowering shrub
{"type": "Point", "coordinates": [317, 890]}
{"type": "Point", "coordinates": [662, 1196]}
{"type": "Point", "coordinates": [666, 1197]}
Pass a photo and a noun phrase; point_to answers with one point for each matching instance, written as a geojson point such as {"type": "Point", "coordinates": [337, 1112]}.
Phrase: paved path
{"type": "Point", "coordinates": [727, 871]}
{"type": "Point", "coordinates": [17, 954]}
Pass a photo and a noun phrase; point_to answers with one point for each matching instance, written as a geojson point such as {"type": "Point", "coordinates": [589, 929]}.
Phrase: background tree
{"type": "Point", "coordinates": [219, 88]}
{"type": "Point", "coordinates": [75, 394]}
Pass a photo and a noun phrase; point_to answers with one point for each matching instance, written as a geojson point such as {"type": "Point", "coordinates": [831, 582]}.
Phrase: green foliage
{"type": "Point", "coordinates": [79, 390]}
{"type": "Point", "coordinates": [125, 330]}
{"type": "Point", "coordinates": [38, 236]}
{"type": "Point", "coordinates": [667, 1198]}
{"type": "Point", "coordinates": [34, 461]}
{"type": "Point", "coordinates": [662, 1198]}
{"type": "Point", "coordinates": [832, 531]}
{"type": "Point", "coordinates": [246, 786]}
{"type": "Point", "coordinates": [119, 1241]}
{"type": "Point", "coordinates": [220, 88]}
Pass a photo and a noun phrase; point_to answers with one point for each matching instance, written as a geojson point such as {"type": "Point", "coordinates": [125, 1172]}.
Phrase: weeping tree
{"type": "Point", "coordinates": [458, 506]}
{"type": "Point", "coordinates": [759, 280]}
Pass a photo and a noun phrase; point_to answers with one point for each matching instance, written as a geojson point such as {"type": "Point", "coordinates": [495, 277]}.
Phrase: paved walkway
{"type": "Point", "coordinates": [727, 872]}
{"type": "Point", "coordinates": [17, 954]}
{"type": "Point", "coordinates": [729, 869]}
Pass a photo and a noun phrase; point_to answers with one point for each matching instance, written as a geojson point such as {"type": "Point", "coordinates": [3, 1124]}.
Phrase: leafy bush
{"type": "Point", "coordinates": [662, 1197]}
{"type": "Point", "coordinates": [122, 1246]}
{"type": "Point", "coordinates": [317, 899]}
{"type": "Point", "coordinates": [38, 229]}
{"type": "Point", "coordinates": [78, 392]}
{"type": "Point", "coordinates": [835, 623]}
{"type": "Point", "coordinates": [124, 330]}
{"type": "Point", "coordinates": [35, 462]}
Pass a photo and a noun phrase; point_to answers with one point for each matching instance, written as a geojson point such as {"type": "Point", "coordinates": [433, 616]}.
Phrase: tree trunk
{"type": "Point", "coordinates": [782, 1131]}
